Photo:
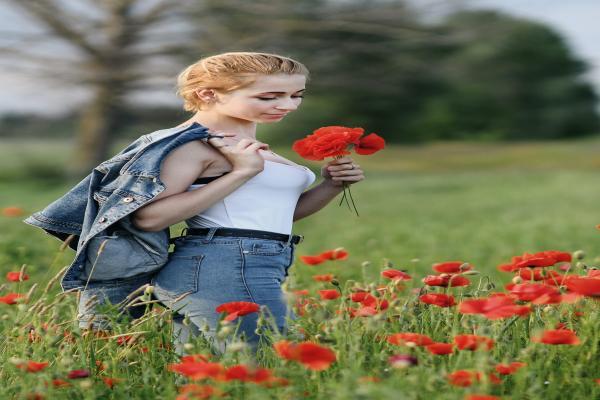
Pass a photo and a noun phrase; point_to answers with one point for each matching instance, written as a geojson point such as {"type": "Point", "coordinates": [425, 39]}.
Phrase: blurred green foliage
{"type": "Point", "coordinates": [476, 75]}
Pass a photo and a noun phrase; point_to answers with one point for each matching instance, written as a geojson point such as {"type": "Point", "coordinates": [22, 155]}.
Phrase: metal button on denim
{"type": "Point", "coordinates": [103, 219]}
{"type": "Point", "coordinates": [127, 199]}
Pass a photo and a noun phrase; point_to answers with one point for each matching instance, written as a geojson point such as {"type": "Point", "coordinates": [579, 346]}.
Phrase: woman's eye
{"type": "Point", "coordinates": [274, 98]}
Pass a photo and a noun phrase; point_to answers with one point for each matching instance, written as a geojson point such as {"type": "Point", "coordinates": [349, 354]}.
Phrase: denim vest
{"type": "Point", "coordinates": [97, 211]}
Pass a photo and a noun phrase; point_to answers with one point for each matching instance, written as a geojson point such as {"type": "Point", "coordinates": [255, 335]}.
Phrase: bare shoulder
{"type": "Point", "coordinates": [194, 151]}
{"type": "Point", "coordinates": [183, 165]}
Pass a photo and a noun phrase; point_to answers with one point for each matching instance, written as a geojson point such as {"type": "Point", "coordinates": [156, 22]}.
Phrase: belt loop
{"type": "Point", "coordinates": [183, 230]}
{"type": "Point", "coordinates": [289, 241]}
{"type": "Point", "coordinates": [210, 234]}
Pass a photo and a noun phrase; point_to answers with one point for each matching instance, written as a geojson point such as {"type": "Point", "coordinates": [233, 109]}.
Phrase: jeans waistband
{"type": "Point", "coordinates": [234, 232]}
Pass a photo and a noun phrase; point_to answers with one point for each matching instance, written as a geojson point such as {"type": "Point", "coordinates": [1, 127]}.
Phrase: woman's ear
{"type": "Point", "coordinates": [206, 95]}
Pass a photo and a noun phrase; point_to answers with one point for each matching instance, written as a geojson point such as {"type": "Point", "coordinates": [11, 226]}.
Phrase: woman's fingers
{"type": "Point", "coordinates": [343, 167]}
{"type": "Point", "coordinates": [256, 145]}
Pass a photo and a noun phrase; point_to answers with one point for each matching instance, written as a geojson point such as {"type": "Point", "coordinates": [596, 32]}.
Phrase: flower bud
{"type": "Point", "coordinates": [365, 264]}
{"type": "Point", "coordinates": [335, 282]}
{"type": "Point", "coordinates": [16, 360]}
{"type": "Point", "coordinates": [472, 272]}
{"type": "Point", "coordinates": [188, 347]}
{"type": "Point", "coordinates": [517, 279]}
{"type": "Point", "coordinates": [149, 290]}
{"type": "Point", "coordinates": [580, 265]}
{"type": "Point", "coordinates": [236, 346]}
{"type": "Point", "coordinates": [225, 331]}
{"type": "Point", "coordinates": [402, 361]}
{"type": "Point", "coordinates": [86, 383]}
{"type": "Point", "coordinates": [579, 255]}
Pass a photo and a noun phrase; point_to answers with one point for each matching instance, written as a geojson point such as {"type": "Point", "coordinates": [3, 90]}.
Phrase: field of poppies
{"type": "Point", "coordinates": [462, 285]}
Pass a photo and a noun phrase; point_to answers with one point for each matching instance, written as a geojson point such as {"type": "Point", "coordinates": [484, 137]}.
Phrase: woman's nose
{"type": "Point", "coordinates": [287, 105]}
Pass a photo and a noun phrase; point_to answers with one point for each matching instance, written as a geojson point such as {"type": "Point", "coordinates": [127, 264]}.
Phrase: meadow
{"type": "Point", "coordinates": [474, 203]}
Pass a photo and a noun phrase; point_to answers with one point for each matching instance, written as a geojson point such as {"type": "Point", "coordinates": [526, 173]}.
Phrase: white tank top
{"type": "Point", "coordinates": [265, 202]}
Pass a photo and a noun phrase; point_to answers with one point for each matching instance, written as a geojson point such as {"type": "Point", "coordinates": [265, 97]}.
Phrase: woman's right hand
{"type": "Point", "coordinates": [243, 154]}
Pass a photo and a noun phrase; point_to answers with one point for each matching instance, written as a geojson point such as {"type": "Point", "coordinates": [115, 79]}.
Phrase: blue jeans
{"type": "Point", "coordinates": [114, 291]}
{"type": "Point", "coordinates": [214, 270]}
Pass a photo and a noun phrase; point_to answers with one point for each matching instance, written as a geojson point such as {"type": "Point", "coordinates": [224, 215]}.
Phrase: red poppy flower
{"type": "Point", "coordinates": [439, 348]}
{"type": "Point", "coordinates": [194, 391]}
{"type": "Point", "coordinates": [587, 286]}
{"type": "Point", "coordinates": [33, 366]}
{"type": "Point", "coordinates": [369, 144]}
{"type": "Point", "coordinates": [336, 254]}
{"type": "Point", "coordinates": [407, 338]}
{"type": "Point", "coordinates": [312, 260]}
{"type": "Point", "coordinates": [531, 291]}
{"type": "Point", "coordinates": [465, 378]}
{"type": "Point", "coordinates": [323, 277]}
{"type": "Point", "coordinates": [508, 369]}
{"type": "Point", "coordinates": [328, 141]}
{"type": "Point", "coordinates": [111, 382]}
{"type": "Point", "coordinates": [78, 373]}
{"type": "Point", "coordinates": [364, 311]}
{"type": "Point", "coordinates": [535, 261]}
{"type": "Point", "coordinates": [329, 294]}
{"type": "Point", "coordinates": [446, 280]}
{"type": "Point", "coordinates": [473, 342]}
{"type": "Point", "coordinates": [302, 292]}
{"type": "Point", "coordinates": [451, 267]}
{"type": "Point", "coordinates": [537, 274]}
{"type": "Point", "coordinates": [557, 336]}
{"type": "Point", "coordinates": [242, 373]}
{"type": "Point", "coordinates": [395, 275]}
{"type": "Point", "coordinates": [541, 259]}
{"type": "Point", "coordinates": [60, 383]}
{"type": "Point", "coordinates": [12, 211]}
{"type": "Point", "coordinates": [311, 355]}
{"type": "Point", "coordinates": [495, 307]}
{"type": "Point", "coordinates": [438, 299]}
{"type": "Point", "coordinates": [11, 298]}
{"type": "Point", "coordinates": [196, 370]}
{"type": "Point", "coordinates": [16, 276]}
{"type": "Point", "coordinates": [481, 397]}
{"type": "Point", "coordinates": [236, 309]}
{"type": "Point", "coordinates": [594, 273]}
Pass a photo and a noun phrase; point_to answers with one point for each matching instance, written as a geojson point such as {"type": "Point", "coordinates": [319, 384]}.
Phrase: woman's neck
{"type": "Point", "coordinates": [224, 123]}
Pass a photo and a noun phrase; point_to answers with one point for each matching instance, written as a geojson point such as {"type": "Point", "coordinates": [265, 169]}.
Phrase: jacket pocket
{"type": "Point", "coordinates": [117, 256]}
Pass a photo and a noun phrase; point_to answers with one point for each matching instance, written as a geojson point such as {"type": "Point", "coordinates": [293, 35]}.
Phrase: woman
{"type": "Point", "coordinates": [235, 182]}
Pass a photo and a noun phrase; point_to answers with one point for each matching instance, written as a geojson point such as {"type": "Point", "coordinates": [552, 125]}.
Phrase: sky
{"type": "Point", "coordinates": [577, 20]}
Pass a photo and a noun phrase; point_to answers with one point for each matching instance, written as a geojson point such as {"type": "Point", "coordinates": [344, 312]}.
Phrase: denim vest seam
{"type": "Point", "coordinates": [73, 225]}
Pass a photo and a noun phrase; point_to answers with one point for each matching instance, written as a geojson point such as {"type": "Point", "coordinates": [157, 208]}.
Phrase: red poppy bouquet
{"type": "Point", "coordinates": [336, 142]}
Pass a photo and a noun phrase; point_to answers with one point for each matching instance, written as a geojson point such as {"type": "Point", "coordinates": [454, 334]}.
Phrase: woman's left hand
{"type": "Point", "coordinates": [341, 170]}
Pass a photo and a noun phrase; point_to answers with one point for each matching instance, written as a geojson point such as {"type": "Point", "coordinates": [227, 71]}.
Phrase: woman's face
{"type": "Point", "coordinates": [268, 99]}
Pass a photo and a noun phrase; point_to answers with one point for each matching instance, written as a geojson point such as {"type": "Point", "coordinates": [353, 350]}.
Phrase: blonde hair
{"type": "Point", "coordinates": [230, 71]}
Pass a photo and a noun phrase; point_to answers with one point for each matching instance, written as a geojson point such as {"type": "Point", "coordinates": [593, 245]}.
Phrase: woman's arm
{"type": "Point", "coordinates": [335, 173]}
{"type": "Point", "coordinates": [181, 168]}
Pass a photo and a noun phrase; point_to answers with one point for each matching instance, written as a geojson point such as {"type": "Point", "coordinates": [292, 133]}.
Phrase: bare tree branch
{"type": "Point", "coordinates": [52, 16]}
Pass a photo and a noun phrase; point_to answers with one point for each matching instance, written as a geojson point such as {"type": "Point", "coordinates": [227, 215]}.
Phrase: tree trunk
{"type": "Point", "coordinates": [97, 124]}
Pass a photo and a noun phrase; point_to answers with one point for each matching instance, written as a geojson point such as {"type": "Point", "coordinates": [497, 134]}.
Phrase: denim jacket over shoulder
{"type": "Point", "coordinates": [109, 195]}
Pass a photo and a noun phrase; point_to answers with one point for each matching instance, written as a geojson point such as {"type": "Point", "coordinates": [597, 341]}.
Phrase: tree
{"type": "Point", "coordinates": [508, 78]}
{"type": "Point", "coordinates": [115, 47]}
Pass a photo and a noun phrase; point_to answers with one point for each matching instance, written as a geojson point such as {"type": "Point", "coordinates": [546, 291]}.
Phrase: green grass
{"type": "Point", "coordinates": [479, 203]}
